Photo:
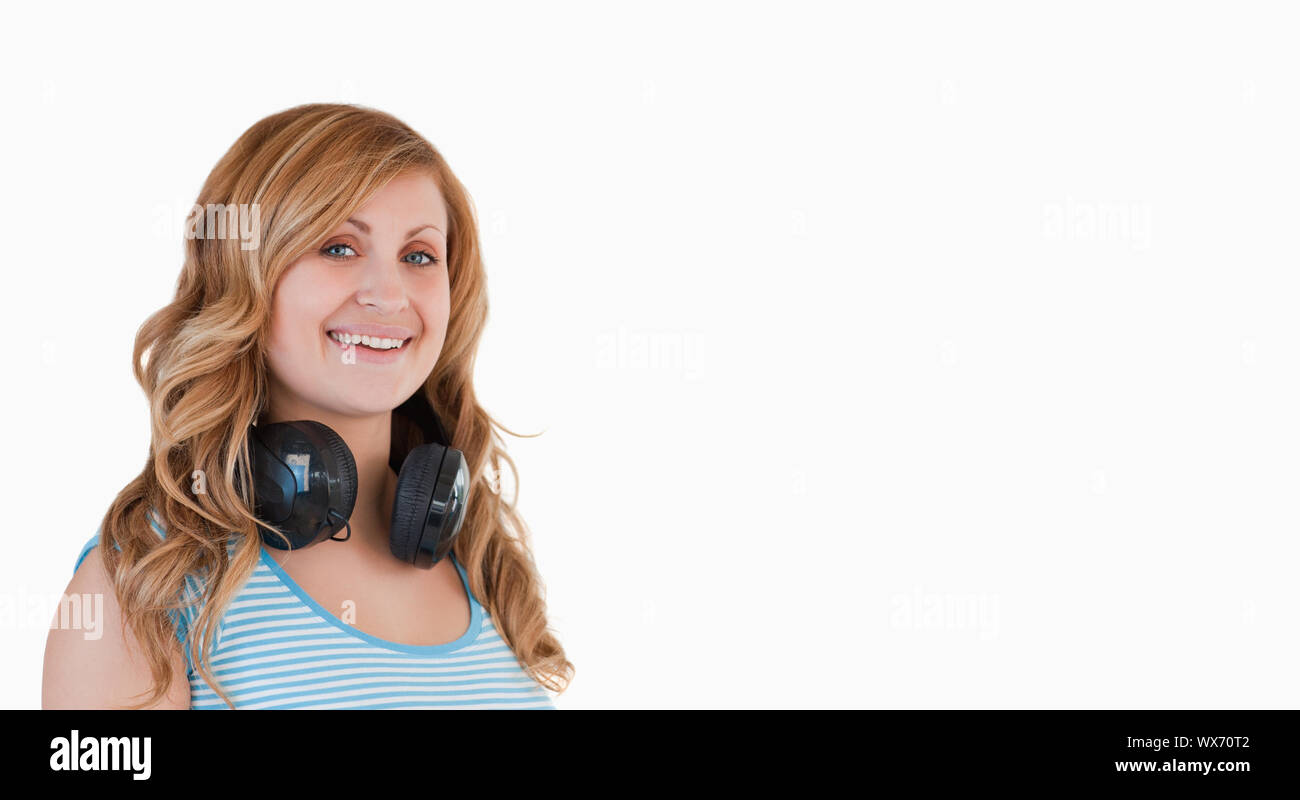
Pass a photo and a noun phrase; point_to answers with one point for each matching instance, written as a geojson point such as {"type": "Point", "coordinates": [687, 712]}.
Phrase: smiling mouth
{"type": "Point", "coordinates": [376, 344]}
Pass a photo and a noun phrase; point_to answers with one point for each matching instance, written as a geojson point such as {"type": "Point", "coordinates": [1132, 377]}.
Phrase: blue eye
{"type": "Point", "coordinates": [326, 250]}
{"type": "Point", "coordinates": [432, 259]}
{"type": "Point", "coordinates": [429, 258]}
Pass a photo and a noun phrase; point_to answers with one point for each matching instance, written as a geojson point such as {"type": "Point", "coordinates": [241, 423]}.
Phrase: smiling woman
{"type": "Point", "coordinates": [360, 310]}
{"type": "Point", "coordinates": [379, 273]}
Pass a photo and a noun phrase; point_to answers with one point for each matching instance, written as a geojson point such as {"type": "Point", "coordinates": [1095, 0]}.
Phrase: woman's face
{"type": "Point", "coordinates": [384, 272]}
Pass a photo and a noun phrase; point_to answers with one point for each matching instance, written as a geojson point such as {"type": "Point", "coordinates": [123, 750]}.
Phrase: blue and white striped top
{"type": "Point", "coordinates": [278, 648]}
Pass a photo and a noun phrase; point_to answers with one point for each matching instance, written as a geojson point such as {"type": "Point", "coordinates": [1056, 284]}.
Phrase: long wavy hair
{"type": "Point", "coordinates": [201, 361]}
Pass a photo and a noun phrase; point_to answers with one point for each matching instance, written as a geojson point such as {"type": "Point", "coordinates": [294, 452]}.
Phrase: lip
{"type": "Point", "coordinates": [369, 329]}
{"type": "Point", "coordinates": [354, 353]}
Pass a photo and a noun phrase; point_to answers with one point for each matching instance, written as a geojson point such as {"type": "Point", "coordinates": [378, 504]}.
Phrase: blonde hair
{"type": "Point", "coordinates": [201, 361]}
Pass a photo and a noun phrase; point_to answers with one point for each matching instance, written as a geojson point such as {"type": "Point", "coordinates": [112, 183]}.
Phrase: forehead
{"type": "Point", "coordinates": [406, 200]}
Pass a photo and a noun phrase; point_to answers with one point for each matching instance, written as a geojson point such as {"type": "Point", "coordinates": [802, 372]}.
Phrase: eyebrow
{"type": "Point", "coordinates": [366, 228]}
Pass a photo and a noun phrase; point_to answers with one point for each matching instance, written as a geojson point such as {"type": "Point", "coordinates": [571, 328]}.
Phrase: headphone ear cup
{"type": "Point", "coordinates": [415, 487]}
{"type": "Point", "coordinates": [347, 468]}
{"type": "Point", "coordinates": [303, 500]}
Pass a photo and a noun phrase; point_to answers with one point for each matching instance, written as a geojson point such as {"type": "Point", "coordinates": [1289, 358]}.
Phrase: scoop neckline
{"type": "Point", "coordinates": [468, 637]}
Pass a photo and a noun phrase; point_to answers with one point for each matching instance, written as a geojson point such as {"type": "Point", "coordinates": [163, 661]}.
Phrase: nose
{"type": "Point", "coordinates": [382, 288]}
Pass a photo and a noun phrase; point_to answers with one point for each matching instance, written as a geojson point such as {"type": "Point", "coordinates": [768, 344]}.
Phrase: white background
{"type": "Point", "coordinates": [888, 355]}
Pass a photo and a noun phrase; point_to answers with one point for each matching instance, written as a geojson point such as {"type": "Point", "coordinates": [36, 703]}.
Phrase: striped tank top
{"type": "Point", "coordinates": [278, 648]}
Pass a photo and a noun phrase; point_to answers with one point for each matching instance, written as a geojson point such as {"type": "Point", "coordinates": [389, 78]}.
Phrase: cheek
{"type": "Point", "coordinates": [435, 315]}
{"type": "Point", "coordinates": [288, 332]}
{"type": "Point", "coordinates": [292, 340]}
{"type": "Point", "coordinates": [288, 354]}
{"type": "Point", "coordinates": [299, 308]}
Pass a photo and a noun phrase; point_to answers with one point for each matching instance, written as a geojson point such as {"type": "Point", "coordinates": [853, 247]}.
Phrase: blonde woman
{"type": "Point", "coordinates": [348, 223]}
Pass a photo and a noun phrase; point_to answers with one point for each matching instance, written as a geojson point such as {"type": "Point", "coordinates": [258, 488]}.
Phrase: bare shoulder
{"type": "Point", "coordinates": [90, 660]}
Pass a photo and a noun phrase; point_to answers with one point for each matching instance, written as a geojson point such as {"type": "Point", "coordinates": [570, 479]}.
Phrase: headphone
{"type": "Point", "coordinates": [305, 485]}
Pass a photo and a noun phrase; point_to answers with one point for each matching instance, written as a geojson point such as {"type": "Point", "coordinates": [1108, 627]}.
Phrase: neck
{"type": "Point", "coordinates": [369, 438]}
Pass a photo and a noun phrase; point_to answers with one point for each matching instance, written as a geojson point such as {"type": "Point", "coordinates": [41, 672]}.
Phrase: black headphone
{"type": "Point", "coordinates": [305, 485]}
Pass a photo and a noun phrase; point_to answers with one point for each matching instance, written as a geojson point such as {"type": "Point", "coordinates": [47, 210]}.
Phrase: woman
{"type": "Point", "coordinates": [357, 302]}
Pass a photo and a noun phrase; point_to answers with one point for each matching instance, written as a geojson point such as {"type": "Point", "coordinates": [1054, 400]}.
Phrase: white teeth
{"type": "Point", "coordinates": [373, 342]}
